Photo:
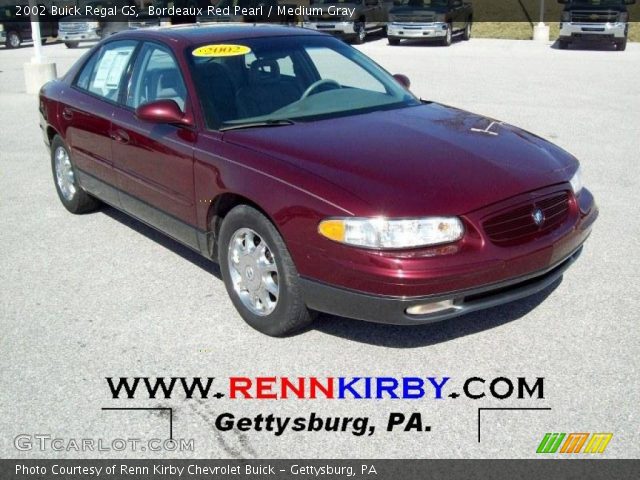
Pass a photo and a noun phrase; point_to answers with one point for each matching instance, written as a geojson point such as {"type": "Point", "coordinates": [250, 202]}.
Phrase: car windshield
{"type": "Point", "coordinates": [292, 78]}
{"type": "Point", "coordinates": [332, 2]}
{"type": "Point", "coordinates": [422, 3]}
{"type": "Point", "coordinates": [597, 3]}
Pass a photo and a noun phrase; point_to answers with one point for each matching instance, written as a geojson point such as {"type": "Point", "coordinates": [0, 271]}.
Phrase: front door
{"type": "Point", "coordinates": [154, 162]}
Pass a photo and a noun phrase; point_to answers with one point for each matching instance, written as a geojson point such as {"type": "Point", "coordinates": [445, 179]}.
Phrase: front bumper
{"type": "Point", "coordinates": [87, 36]}
{"type": "Point", "coordinates": [592, 31]}
{"type": "Point", "coordinates": [393, 310]}
{"type": "Point", "coordinates": [416, 30]}
{"type": "Point", "coordinates": [337, 28]}
{"type": "Point", "coordinates": [346, 278]}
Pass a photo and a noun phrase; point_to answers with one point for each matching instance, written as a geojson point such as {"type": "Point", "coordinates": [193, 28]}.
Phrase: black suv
{"type": "Point", "coordinates": [15, 26]}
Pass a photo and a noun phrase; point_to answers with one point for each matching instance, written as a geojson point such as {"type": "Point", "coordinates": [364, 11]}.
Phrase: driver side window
{"type": "Point", "coordinates": [156, 77]}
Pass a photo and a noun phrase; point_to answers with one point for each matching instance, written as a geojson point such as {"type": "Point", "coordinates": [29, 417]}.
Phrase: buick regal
{"type": "Point", "coordinates": [316, 179]}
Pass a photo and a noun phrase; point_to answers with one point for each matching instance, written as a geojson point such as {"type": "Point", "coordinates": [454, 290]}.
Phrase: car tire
{"type": "Point", "coordinates": [448, 37]}
{"type": "Point", "coordinates": [563, 44]}
{"type": "Point", "coordinates": [361, 32]}
{"type": "Point", "coordinates": [71, 44]}
{"type": "Point", "coordinates": [621, 46]}
{"type": "Point", "coordinates": [393, 41]}
{"type": "Point", "coordinates": [466, 35]}
{"type": "Point", "coordinates": [13, 39]}
{"type": "Point", "coordinates": [65, 179]}
{"type": "Point", "coordinates": [256, 265]}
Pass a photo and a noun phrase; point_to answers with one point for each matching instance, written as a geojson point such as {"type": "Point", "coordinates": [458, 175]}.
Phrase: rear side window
{"type": "Point", "coordinates": [103, 73]}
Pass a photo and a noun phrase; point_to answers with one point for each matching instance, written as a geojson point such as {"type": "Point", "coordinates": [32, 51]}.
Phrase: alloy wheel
{"type": "Point", "coordinates": [14, 40]}
{"type": "Point", "coordinates": [361, 32]}
{"type": "Point", "coordinates": [253, 271]}
{"type": "Point", "coordinates": [65, 177]}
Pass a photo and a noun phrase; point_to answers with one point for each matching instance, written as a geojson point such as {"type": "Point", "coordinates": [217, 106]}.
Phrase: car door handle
{"type": "Point", "coordinates": [120, 136]}
{"type": "Point", "coordinates": [67, 113]}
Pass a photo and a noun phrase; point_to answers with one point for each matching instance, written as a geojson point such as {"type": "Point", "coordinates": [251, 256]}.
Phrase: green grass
{"type": "Point", "coordinates": [524, 30]}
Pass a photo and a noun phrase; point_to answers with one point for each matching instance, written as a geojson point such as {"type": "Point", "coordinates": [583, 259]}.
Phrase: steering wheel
{"type": "Point", "coordinates": [316, 84]}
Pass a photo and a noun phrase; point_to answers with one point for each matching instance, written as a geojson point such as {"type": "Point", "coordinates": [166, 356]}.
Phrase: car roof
{"type": "Point", "coordinates": [195, 34]}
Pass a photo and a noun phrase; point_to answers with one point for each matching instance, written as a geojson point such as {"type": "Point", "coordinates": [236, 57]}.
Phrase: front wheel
{"type": "Point", "coordinates": [393, 41]}
{"type": "Point", "coordinates": [361, 32]}
{"type": "Point", "coordinates": [563, 44]}
{"type": "Point", "coordinates": [621, 45]}
{"type": "Point", "coordinates": [259, 274]}
{"type": "Point", "coordinates": [448, 36]}
{"type": "Point", "coordinates": [71, 44]}
{"type": "Point", "coordinates": [467, 31]}
{"type": "Point", "coordinates": [13, 39]}
{"type": "Point", "coordinates": [72, 196]}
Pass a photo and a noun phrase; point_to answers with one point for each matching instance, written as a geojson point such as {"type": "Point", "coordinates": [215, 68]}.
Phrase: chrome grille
{"type": "Point", "coordinates": [413, 18]}
{"type": "Point", "coordinates": [604, 16]}
{"type": "Point", "coordinates": [518, 226]}
{"type": "Point", "coordinates": [72, 27]}
{"type": "Point", "coordinates": [144, 23]}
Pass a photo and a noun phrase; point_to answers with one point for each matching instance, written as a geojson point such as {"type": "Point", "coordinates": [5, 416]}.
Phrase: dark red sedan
{"type": "Point", "coordinates": [314, 177]}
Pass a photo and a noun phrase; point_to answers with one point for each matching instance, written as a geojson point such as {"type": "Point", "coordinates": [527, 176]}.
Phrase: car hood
{"type": "Point", "coordinates": [428, 159]}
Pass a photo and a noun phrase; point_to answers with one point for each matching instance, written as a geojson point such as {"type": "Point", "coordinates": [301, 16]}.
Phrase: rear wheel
{"type": "Point", "coordinates": [394, 41]}
{"type": "Point", "coordinates": [13, 39]}
{"type": "Point", "coordinates": [71, 44]}
{"type": "Point", "coordinates": [259, 274]}
{"type": "Point", "coordinates": [72, 196]}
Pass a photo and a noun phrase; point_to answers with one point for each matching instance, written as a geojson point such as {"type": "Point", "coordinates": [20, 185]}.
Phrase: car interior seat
{"type": "Point", "coordinates": [220, 99]}
{"type": "Point", "coordinates": [267, 91]}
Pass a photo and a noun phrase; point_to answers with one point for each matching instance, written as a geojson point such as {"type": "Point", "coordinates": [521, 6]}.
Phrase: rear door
{"type": "Point", "coordinates": [85, 116]}
{"type": "Point", "coordinates": [154, 162]}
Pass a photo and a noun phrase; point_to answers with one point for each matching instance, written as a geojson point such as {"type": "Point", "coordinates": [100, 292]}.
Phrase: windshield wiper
{"type": "Point", "coordinates": [262, 123]}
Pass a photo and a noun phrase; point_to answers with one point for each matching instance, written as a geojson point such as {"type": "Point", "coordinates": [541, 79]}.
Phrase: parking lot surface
{"type": "Point", "coordinates": [101, 295]}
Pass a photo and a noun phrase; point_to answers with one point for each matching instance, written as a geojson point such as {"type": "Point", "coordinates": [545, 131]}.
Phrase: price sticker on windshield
{"type": "Point", "coordinates": [222, 50]}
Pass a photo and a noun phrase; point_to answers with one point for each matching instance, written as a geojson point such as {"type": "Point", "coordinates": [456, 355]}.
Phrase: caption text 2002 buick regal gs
{"type": "Point", "coordinates": [314, 177]}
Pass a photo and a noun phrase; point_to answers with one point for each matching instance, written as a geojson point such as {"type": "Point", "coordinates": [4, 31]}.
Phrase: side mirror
{"type": "Point", "coordinates": [403, 80]}
{"type": "Point", "coordinates": [162, 111]}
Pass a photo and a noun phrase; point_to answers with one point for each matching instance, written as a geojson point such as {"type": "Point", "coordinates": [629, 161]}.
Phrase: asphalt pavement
{"type": "Point", "coordinates": [101, 295]}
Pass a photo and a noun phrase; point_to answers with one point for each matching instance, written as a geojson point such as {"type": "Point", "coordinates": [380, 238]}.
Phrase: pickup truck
{"type": "Point", "coordinates": [89, 28]}
{"type": "Point", "coordinates": [429, 19]}
{"type": "Point", "coordinates": [15, 25]}
{"type": "Point", "coordinates": [595, 20]}
{"type": "Point", "coordinates": [352, 20]}
{"type": "Point", "coordinates": [256, 11]}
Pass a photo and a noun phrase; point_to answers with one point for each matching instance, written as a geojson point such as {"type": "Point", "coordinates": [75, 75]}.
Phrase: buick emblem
{"type": "Point", "coordinates": [538, 216]}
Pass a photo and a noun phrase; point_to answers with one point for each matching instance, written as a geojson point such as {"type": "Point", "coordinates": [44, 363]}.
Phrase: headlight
{"type": "Point", "coordinates": [576, 181]}
{"type": "Point", "coordinates": [380, 232]}
{"type": "Point", "coordinates": [566, 16]}
{"type": "Point", "coordinates": [623, 17]}
{"type": "Point", "coordinates": [1, 27]}
{"type": "Point", "coordinates": [441, 17]}
{"type": "Point", "coordinates": [93, 25]}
